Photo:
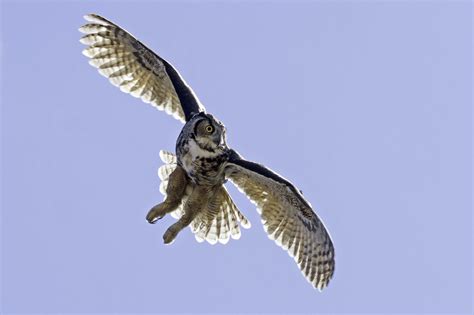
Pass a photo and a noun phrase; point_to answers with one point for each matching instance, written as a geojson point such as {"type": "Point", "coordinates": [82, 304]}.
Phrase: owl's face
{"type": "Point", "coordinates": [208, 131]}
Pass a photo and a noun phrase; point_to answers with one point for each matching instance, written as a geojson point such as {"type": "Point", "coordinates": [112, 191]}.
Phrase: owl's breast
{"type": "Point", "coordinates": [203, 167]}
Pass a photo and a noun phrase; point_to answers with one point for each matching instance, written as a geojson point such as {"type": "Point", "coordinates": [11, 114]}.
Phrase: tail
{"type": "Point", "coordinates": [219, 222]}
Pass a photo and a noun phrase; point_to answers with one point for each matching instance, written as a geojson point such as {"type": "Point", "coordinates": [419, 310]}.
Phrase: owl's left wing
{"type": "Point", "coordinates": [287, 218]}
{"type": "Point", "coordinates": [136, 69]}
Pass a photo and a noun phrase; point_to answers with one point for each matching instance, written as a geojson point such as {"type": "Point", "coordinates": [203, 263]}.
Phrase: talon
{"type": "Point", "coordinates": [155, 214]}
{"type": "Point", "coordinates": [169, 236]}
{"type": "Point", "coordinates": [153, 220]}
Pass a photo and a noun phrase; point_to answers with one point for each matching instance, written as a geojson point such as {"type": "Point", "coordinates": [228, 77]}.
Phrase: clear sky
{"type": "Point", "coordinates": [364, 105]}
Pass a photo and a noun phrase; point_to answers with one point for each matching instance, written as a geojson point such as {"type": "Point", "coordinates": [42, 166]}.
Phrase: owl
{"type": "Point", "coordinates": [193, 178]}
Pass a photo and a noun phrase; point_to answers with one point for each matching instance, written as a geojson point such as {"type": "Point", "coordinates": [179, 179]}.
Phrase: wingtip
{"type": "Point", "coordinates": [93, 18]}
{"type": "Point", "coordinates": [90, 16]}
{"type": "Point", "coordinates": [96, 18]}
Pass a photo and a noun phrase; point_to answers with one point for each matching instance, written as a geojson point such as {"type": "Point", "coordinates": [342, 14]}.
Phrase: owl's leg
{"type": "Point", "coordinates": [174, 193]}
{"type": "Point", "coordinates": [195, 203]}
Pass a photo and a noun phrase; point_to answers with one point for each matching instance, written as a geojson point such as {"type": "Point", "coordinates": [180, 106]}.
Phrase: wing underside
{"type": "Point", "coordinates": [287, 218]}
{"type": "Point", "coordinates": [136, 69]}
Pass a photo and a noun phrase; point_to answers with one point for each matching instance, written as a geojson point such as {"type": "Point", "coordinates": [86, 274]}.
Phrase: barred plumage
{"type": "Point", "coordinates": [193, 179]}
{"type": "Point", "coordinates": [134, 68]}
{"type": "Point", "coordinates": [219, 222]}
{"type": "Point", "coordinates": [288, 220]}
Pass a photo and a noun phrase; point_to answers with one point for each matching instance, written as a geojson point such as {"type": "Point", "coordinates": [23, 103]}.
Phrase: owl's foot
{"type": "Point", "coordinates": [156, 213]}
{"type": "Point", "coordinates": [177, 183]}
{"type": "Point", "coordinates": [171, 234]}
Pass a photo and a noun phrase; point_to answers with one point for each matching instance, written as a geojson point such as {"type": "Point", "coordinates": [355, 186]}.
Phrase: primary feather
{"type": "Point", "coordinates": [193, 179]}
{"type": "Point", "coordinates": [137, 70]}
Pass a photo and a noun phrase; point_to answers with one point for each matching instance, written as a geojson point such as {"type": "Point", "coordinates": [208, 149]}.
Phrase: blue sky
{"type": "Point", "coordinates": [364, 105]}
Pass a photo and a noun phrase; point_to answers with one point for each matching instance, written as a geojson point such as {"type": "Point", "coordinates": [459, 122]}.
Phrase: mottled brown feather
{"type": "Point", "coordinates": [289, 220]}
{"type": "Point", "coordinates": [132, 67]}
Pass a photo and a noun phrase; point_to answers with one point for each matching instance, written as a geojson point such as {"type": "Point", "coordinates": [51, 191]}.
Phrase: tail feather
{"type": "Point", "coordinates": [219, 222]}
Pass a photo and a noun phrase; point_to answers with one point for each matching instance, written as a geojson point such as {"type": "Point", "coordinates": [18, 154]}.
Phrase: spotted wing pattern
{"type": "Point", "coordinates": [287, 218]}
{"type": "Point", "coordinates": [135, 69]}
{"type": "Point", "coordinates": [220, 220]}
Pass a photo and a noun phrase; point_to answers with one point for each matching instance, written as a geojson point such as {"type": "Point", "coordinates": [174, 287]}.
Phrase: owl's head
{"type": "Point", "coordinates": [208, 131]}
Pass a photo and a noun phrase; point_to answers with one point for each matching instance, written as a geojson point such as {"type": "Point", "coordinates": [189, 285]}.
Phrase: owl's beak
{"type": "Point", "coordinates": [216, 140]}
{"type": "Point", "coordinates": [223, 143]}
{"type": "Point", "coordinates": [219, 140]}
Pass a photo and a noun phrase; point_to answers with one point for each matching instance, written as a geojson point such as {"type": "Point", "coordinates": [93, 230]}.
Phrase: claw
{"type": "Point", "coordinates": [155, 214]}
{"type": "Point", "coordinates": [153, 220]}
{"type": "Point", "coordinates": [170, 235]}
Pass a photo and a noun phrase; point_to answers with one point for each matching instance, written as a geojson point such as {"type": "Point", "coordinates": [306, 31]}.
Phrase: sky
{"type": "Point", "coordinates": [364, 105]}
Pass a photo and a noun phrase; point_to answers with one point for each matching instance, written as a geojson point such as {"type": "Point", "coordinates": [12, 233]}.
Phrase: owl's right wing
{"type": "Point", "coordinates": [136, 69]}
{"type": "Point", "coordinates": [287, 218]}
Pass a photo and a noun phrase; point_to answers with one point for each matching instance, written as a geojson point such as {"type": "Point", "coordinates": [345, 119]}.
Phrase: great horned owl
{"type": "Point", "coordinates": [192, 180]}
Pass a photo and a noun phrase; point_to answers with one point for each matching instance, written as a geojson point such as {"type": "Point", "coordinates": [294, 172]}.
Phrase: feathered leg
{"type": "Point", "coordinates": [195, 204]}
{"type": "Point", "coordinates": [174, 193]}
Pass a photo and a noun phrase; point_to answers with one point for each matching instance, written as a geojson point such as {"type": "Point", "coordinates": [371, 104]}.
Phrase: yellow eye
{"type": "Point", "coordinates": [209, 129]}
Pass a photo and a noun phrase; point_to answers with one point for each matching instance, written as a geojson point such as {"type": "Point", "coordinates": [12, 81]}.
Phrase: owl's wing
{"type": "Point", "coordinates": [136, 69]}
{"type": "Point", "coordinates": [287, 218]}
